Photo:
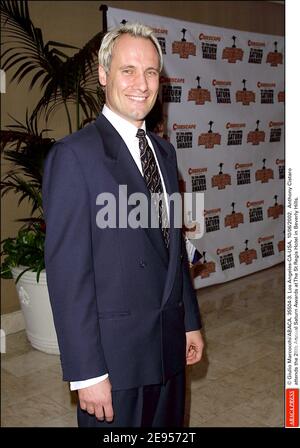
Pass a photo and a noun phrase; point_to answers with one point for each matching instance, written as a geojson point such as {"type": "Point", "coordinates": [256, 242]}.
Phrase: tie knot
{"type": "Point", "coordinates": [140, 133]}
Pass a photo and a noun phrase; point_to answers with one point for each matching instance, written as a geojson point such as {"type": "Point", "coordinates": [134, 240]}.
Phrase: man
{"type": "Point", "coordinates": [125, 312]}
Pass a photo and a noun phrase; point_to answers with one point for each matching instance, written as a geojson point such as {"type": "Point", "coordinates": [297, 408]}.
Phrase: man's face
{"type": "Point", "coordinates": [133, 79]}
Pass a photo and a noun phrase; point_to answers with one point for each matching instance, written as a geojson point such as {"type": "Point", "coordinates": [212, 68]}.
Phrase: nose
{"type": "Point", "coordinates": [141, 82]}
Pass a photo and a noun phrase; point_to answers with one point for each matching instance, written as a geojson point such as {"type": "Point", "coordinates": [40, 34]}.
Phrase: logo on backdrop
{"type": "Point", "coordinates": [256, 211]}
{"type": "Point", "coordinates": [221, 180]}
{"type": "Point", "coordinates": [273, 57]}
{"type": "Point", "coordinates": [204, 268]}
{"type": "Point", "coordinates": [275, 210]}
{"type": "Point", "coordinates": [266, 245]}
{"type": "Point", "coordinates": [199, 95]}
{"type": "Point", "coordinates": [266, 92]}
{"type": "Point", "coordinates": [183, 47]}
{"type": "Point", "coordinates": [243, 173]}
{"type": "Point", "coordinates": [160, 30]}
{"type": "Point", "coordinates": [198, 178]}
{"type": "Point", "coordinates": [209, 46]}
{"type": "Point", "coordinates": [171, 93]}
{"type": "Point", "coordinates": [281, 167]}
{"type": "Point", "coordinates": [226, 257]}
{"type": "Point", "coordinates": [276, 131]}
{"type": "Point", "coordinates": [264, 174]}
{"type": "Point", "coordinates": [233, 54]}
{"type": "Point", "coordinates": [256, 137]}
{"type": "Point", "coordinates": [247, 255]}
{"type": "Point", "coordinates": [245, 96]}
{"type": "Point", "coordinates": [212, 219]}
{"type": "Point", "coordinates": [162, 43]}
{"type": "Point", "coordinates": [256, 52]}
{"type": "Point", "coordinates": [161, 39]}
{"type": "Point", "coordinates": [222, 92]}
{"type": "Point", "coordinates": [234, 219]}
{"type": "Point", "coordinates": [184, 135]}
{"type": "Point", "coordinates": [209, 139]}
{"type": "Point", "coordinates": [235, 133]}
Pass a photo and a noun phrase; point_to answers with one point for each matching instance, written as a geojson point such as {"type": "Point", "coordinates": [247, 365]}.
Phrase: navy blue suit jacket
{"type": "Point", "coordinates": [121, 303]}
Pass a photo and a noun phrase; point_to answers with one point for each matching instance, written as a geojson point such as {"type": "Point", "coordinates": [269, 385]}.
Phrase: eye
{"type": "Point", "coordinates": [152, 73]}
{"type": "Point", "coordinates": [127, 71]}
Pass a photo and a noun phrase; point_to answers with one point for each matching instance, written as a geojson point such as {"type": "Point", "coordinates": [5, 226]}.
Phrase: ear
{"type": "Point", "coordinates": [102, 75]}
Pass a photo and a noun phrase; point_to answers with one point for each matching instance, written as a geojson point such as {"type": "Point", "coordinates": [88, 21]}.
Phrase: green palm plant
{"type": "Point", "coordinates": [25, 148]}
{"type": "Point", "coordinates": [63, 81]}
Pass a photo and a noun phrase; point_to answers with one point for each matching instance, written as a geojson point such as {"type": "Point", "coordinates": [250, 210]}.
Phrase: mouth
{"type": "Point", "coordinates": [139, 99]}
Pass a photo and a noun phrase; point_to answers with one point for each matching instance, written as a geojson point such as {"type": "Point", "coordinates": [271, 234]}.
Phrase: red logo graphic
{"type": "Point", "coordinates": [257, 136]}
{"type": "Point", "coordinates": [239, 166]}
{"type": "Point", "coordinates": [251, 43]}
{"type": "Point", "coordinates": [203, 269]}
{"type": "Point", "coordinates": [234, 219]}
{"type": "Point", "coordinates": [245, 96]}
{"type": "Point", "coordinates": [212, 211]}
{"type": "Point", "coordinates": [221, 180]}
{"type": "Point", "coordinates": [275, 124]}
{"type": "Point", "coordinates": [274, 58]}
{"type": "Point", "coordinates": [159, 30]}
{"type": "Point", "coordinates": [209, 38]}
{"type": "Point", "coordinates": [196, 170]}
{"type": "Point", "coordinates": [276, 210]}
{"type": "Point", "coordinates": [248, 255]}
{"type": "Point", "coordinates": [210, 138]}
{"type": "Point", "coordinates": [184, 48]}
{"type": "Point", "coordinates": [263, 239]}
{"type": "Point", "coordinates": [198, 94]}
{"type": "Point", "coordinates": [233, 54]}
{"type": "Point", "coordinates": [264, 174]}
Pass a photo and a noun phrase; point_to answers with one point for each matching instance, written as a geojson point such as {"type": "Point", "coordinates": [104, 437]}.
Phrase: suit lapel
{"type": "Point", "coordinates": [125, 172]}
{"type": "Point", "coordinates": [170, 178]}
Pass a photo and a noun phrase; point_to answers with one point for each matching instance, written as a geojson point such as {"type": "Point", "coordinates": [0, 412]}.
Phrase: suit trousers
{"type": "Point", "coordinates": [151, 406]}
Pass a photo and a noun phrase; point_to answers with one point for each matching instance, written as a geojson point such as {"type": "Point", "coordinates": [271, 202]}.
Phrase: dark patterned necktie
{"type": "Point", "coordinates": [154, 183]}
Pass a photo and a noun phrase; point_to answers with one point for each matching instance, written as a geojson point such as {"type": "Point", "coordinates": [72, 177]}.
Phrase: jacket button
{"type": "Point", "coordinates": [143, 264]}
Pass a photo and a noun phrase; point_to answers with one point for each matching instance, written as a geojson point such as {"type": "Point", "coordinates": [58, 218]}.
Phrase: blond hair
{"type": "Point", "coordinates": [133, 29]}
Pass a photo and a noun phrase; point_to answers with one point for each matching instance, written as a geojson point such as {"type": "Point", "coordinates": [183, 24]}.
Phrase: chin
{"type": "Point", "coordinates": [140, 114]}
{"type": "Point", "coordinates": [139, 117]}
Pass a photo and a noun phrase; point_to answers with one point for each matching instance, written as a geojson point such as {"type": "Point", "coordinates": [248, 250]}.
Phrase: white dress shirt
{"type": "Point", "coordinates": [128, 132]}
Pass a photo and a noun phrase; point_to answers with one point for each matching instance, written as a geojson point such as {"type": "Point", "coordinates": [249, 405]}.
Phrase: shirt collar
{"type": "Point", "coordinates": [124, 127]}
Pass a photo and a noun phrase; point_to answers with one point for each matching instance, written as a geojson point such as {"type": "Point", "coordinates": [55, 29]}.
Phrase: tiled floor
{"type": "Point", "coordinates": [240, 381]}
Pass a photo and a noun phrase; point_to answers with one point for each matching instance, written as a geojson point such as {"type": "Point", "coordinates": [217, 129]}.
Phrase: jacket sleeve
{"type": "Point", "coordinates": [191, 308]}
{"type": "Point", "coordinates": [69, 265]}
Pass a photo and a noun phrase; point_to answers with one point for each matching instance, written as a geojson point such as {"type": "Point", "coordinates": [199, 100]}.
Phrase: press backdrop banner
{"type": "Point", "coordinates": [222, 92]}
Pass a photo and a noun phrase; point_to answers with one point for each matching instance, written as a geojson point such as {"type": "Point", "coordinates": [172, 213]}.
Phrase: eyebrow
{"type": "Point", "coordinates": [132, 66]}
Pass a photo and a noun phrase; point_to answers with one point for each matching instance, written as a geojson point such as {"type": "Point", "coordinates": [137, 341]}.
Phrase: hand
{"type": "Point", "coordinates": [97, 400]}
{"type": "Point", "coordinates": [194, 347]}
